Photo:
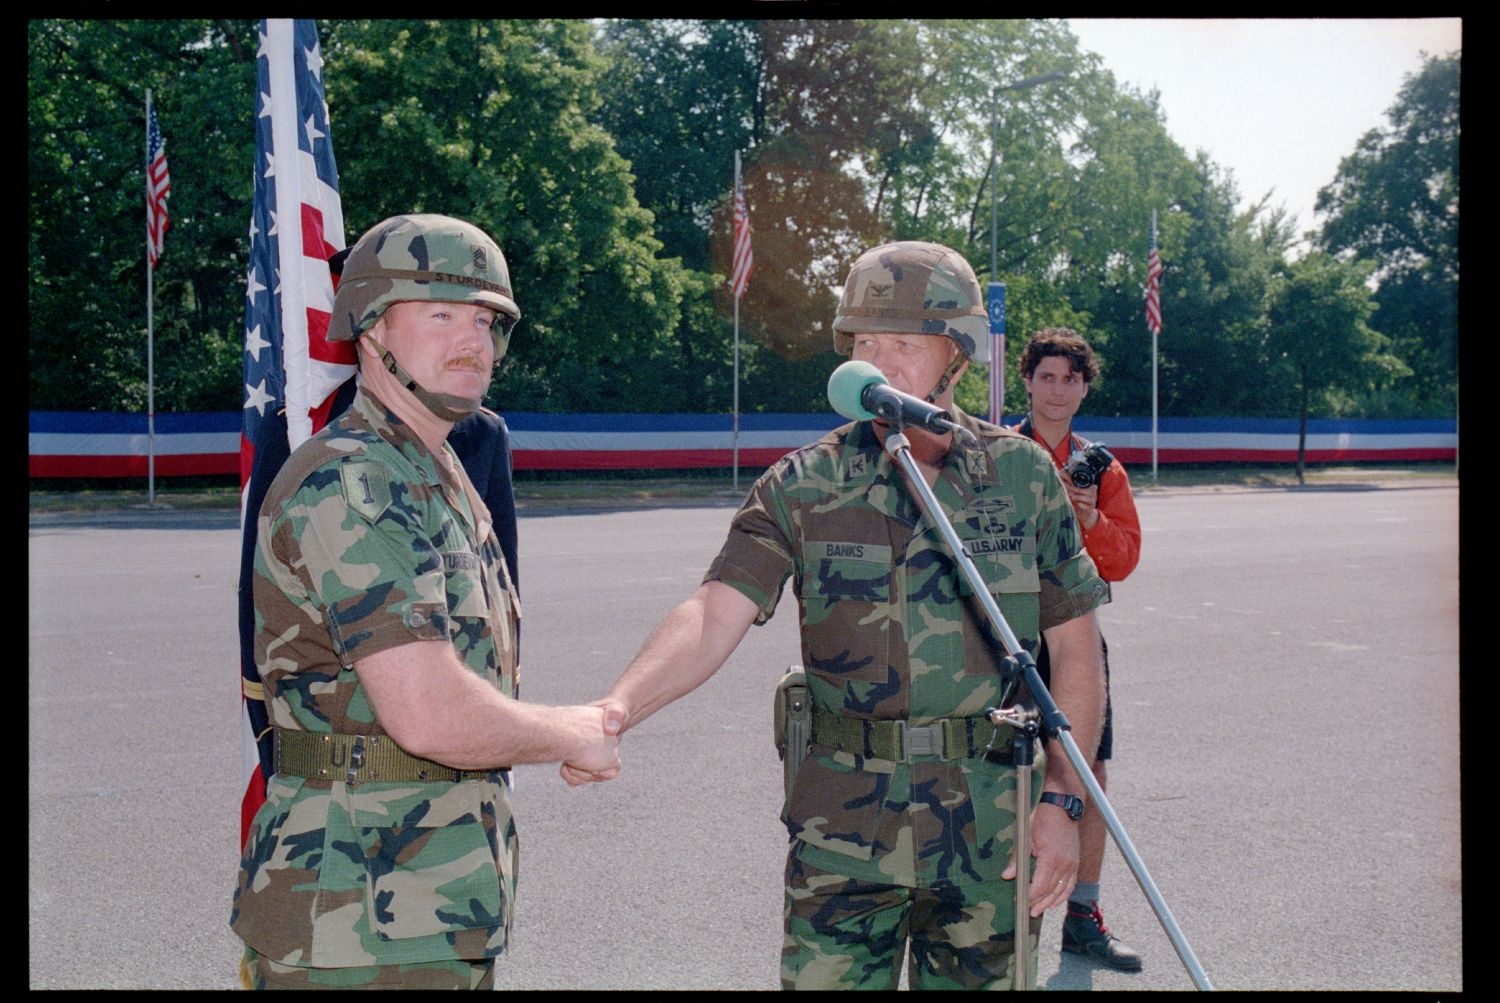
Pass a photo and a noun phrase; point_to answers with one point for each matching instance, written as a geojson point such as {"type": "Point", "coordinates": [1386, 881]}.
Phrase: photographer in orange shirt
{"type": "Point", "coordinates": [1057, 367]}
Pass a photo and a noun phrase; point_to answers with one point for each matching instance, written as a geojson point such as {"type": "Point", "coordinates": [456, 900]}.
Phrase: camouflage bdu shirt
{"type": "Point", "coordinates": [890, 630]}
{"type": "Point", "coordinates": [364, 545]}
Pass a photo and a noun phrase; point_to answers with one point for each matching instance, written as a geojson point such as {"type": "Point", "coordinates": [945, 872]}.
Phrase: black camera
{"type": "Point", "coordinates": [1087, 465]}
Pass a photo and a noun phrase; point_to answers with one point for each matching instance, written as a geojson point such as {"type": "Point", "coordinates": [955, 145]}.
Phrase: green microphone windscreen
{"type": "Point", "coordinates": [846, 388]}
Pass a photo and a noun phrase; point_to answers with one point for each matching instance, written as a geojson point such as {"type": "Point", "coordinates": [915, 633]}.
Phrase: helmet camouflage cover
{"type": "Point", "coordinates": [422, 256]}
{"type": "Point", "coordinates": [917, 287]}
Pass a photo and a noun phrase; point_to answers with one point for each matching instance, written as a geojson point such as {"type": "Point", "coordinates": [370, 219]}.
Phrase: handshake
{"type": "Point", "coordinates": [595, 731]}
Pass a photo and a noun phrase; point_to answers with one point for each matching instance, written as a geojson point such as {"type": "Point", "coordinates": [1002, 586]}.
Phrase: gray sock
{"type": "Point", "coordinates": [1085, 893]}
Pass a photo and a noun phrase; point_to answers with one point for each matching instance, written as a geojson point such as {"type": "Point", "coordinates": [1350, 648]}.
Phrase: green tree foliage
{"type": "Point", "coordinates": [491, 121]}
{"type": "Point", "coordinates": [1021, 126]}
{"type": "Point", "coordinates": [601, 156]}
{"type": "Point", "coordinates": [680, 97]}
{"type": "Point", "coordinates": [802, 98]}
{"type": "Point", "coordinates": [1218, 263]}
{"type": "Point", "coordinates": [862, 131]}
{"type": "Point", "coordinates": [86, 201]}
{"type": "Point", "coordinates": [1320, 339]}
{"type": "Point", "coordinates": [1395, 203]}
{"type": "Point", "coordinates": [985, 147]}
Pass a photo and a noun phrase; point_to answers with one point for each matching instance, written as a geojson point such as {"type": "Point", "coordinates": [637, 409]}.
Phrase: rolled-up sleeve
{"type": "Point", "coordinates": [756, 558]}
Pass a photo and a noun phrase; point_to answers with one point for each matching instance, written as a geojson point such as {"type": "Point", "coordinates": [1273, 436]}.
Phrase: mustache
{"type": "Point", "coordinates": [473, 363]}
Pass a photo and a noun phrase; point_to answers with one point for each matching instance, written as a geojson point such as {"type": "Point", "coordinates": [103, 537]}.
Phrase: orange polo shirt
{"type": "Point", "coordinates": [1115, 541]}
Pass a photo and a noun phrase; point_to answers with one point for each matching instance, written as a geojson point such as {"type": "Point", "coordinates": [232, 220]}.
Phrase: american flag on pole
{"type": "Point", "coordinates": [291, 371]}
{"type": "Point", "coordinates": [1153, 285]}
{"type": "Point", "coordinates": [744, 260]}
{"type": "Point", "coordinates": [158, 185]}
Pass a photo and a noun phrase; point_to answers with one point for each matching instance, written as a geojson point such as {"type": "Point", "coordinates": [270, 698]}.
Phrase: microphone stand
{"type": "Point", "coordinates": [1050, 722]}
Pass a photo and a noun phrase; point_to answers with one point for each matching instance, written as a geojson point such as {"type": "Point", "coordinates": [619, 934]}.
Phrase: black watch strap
{"type": "Point", "coordinates": [1070, 803]}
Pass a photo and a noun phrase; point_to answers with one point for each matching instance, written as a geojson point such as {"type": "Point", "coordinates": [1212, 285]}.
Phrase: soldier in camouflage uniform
{"type": "Point", "coordinates": [385, 853]}
{"type": "Point", "coordinates": [901, 829]}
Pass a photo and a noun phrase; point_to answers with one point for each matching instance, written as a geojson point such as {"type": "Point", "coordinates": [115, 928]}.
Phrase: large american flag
{"type": "Point", "coordinates": [291, 371]}
{"type": "Point", "coordinates": [1153, 286]}
{"type": "Point", "coordinates": [744, 260]}
{"type": "Point", "coordinates": [158, 185]}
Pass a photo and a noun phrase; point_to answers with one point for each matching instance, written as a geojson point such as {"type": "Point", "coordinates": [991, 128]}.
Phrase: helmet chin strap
{"type": "Point", "coordinates": [445, 407]}
{"type": "Point", "coordinates": [942, 384]}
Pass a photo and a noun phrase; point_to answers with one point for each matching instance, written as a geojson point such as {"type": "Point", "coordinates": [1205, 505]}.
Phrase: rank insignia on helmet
{"type": "Point", "coordinates": [913, 287]}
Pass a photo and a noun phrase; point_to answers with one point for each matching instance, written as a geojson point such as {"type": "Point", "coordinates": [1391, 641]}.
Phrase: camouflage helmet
{"type": "Point", "coordinates": [917, 287]}
{"type": "Point", "coordinates": [422, 256]}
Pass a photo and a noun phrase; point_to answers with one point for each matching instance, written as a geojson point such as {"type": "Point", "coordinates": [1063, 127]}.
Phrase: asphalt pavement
{"type": "Point", "coordinates": [1285, 680]}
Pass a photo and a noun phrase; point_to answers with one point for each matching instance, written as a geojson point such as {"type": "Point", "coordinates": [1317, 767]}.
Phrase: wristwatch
{"type": "Point", "coordinates": [1070, 803]}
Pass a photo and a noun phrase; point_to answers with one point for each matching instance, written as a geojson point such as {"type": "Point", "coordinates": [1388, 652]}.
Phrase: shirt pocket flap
{"type": "Point", "coordinates": [834, 570]}
{"type": "Point", "coordinates": [428, 857]}
{"type": "Point", "coordinates": [1003, 571]}
{"type": "Point", "coordinates": [835, 806]}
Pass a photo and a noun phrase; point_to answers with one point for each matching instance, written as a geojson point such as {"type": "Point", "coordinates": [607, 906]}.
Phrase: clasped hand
{"type": "Point", "coordinates": [601, 761]}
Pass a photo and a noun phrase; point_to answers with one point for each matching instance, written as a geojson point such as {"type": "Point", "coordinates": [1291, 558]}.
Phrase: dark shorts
{"type": "Point", "coordinates": [1107, 736]}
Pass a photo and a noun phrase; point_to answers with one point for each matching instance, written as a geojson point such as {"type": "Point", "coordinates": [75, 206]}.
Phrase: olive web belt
{"type": "Point", "coordinates": [357, 759]}
{"type": "Point", "coordinates": [899, 741]}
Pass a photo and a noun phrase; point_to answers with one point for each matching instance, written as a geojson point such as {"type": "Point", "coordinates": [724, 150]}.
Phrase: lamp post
{"type": "Point", "coordinates": [996, 292]}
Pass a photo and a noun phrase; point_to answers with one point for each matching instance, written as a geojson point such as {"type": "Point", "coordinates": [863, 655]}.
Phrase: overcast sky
{"type": "Point", "coordinates": [1280, 102]}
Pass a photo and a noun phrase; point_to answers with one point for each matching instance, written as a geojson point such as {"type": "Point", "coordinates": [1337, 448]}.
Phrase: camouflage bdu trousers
{"type": "Point", "coordinates": [260, 972]}
{"type": "Point", "coordinates": [843, 933]}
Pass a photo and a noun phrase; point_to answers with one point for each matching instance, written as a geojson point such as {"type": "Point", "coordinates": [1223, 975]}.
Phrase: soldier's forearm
{"type": "Point", "coordinates": [676, 659]}
{"type": "Point", "coordinates": [685, 649]}
{"type": "Point", "coordinates": [435, 708]}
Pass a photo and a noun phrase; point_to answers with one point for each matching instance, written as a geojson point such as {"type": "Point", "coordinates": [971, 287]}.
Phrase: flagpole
{"type": "Point", "coordinates": [735, 290]}
{"type": "Point", "coordinates": [736, 389]}
{"type": "Point", "coordinates": [1154, 338]}
{"type": "Point", "coordinates": [150, 332]}
{"type": "Point", "coordinates": [738, 275]}
{"type": "Point", "coordinates": [742, 261]}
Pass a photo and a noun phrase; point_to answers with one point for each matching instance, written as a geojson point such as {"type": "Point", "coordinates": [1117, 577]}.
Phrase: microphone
{"type": "Point", "coordinates": [859, 391]}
